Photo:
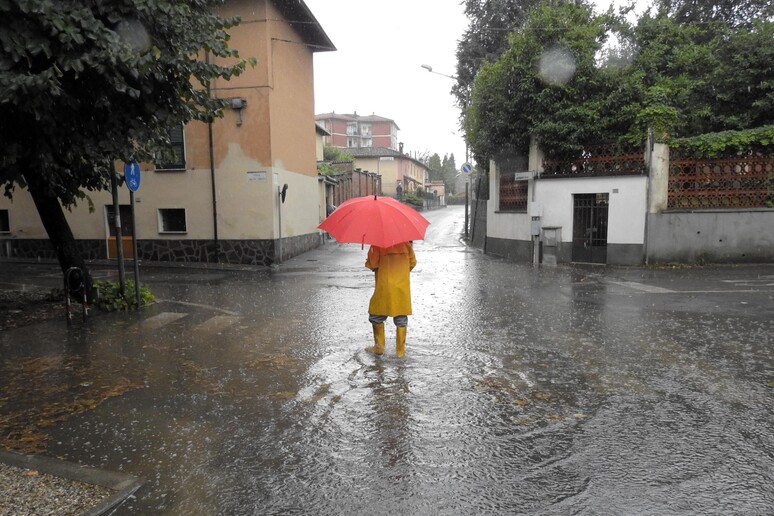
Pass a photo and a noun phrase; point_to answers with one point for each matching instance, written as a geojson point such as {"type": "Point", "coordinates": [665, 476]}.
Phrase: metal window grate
{"type": "Point", "coordinates": [513, 193]}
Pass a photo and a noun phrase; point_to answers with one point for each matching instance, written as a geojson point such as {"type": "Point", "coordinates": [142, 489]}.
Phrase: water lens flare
{"type": "Point", "coordinates": [557, 66]}
{"type": "Point", "coordinates": [134, 34]}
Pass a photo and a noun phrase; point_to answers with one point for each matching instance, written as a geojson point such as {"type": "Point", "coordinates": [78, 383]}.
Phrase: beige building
{"type": "Point", "coordinates": [222, 199]}
{"type": "Point", "coordinates": [398, 171]}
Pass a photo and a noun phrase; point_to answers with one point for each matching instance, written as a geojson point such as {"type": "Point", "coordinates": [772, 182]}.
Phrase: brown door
{"type": "Point", "coordinates": [127, 230]}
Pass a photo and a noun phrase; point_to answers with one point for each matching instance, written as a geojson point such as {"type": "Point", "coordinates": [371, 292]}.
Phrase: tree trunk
{"type": "Point", "coordinates": [61, 236]}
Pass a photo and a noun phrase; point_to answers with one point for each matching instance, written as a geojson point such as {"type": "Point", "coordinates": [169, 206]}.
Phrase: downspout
{"type": "Point", "coordinates": [212, 174]}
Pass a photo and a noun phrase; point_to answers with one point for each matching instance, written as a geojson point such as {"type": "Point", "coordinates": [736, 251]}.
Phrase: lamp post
{"type": "Point", "coordinates": [465, 104]}
{"type": "Point", "coordinates": [465, 101]}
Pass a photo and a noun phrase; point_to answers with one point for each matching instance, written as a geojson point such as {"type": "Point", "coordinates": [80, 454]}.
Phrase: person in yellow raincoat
{"type": "Point", "coordinates": [392, 295]}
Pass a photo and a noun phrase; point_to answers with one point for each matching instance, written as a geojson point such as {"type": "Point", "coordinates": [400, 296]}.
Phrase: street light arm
{"type": "Point", "coordinates": [430, 69]}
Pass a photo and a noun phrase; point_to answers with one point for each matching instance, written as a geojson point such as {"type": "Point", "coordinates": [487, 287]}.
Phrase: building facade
{"type": "Point", "coordinates": [641, 207]}
{"type": "Point", "coordinates": [399, 173]}
{"type": "Point", "coordinates": [239, 190]}
{"type": "Point", "coordinates": [356, 131]}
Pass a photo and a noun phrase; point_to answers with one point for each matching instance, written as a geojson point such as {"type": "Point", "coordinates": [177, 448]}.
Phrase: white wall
{"type": "Point", "coordinates": [626, 215]}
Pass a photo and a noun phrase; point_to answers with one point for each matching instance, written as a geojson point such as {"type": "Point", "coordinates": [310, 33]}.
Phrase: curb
{"type": "Point", "coordinates": [123, 484]}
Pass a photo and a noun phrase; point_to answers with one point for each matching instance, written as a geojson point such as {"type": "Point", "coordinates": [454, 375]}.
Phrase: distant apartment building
{"type": "Point", "coordinates": [356, 131]}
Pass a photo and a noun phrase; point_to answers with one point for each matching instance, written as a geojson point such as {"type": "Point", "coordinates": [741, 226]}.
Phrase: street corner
{"type": "Point", "coordinates": [60, 487]}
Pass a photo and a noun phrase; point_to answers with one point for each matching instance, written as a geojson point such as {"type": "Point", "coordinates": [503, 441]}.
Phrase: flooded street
{"type": "Point", "coordinates": [524, 390]}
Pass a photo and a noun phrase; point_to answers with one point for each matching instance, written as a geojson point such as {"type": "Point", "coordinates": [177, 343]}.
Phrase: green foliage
{"type": "Point", "coordinates": [326, 169]}
{"type": "Point", "coordinates": [455, 199]}
{"type": "Point", "coordinates": [336, 154]}
{"type": "Point", "coordinates": [563, 100]}
{"type": "Point", "coordinates": [413, 199]}
{"type": "Point", "coordinates": [712, 145]}
{"type": "Point", "coordinates": [109, 298]}
{"type": "Point", "coordinates": [671, 73]}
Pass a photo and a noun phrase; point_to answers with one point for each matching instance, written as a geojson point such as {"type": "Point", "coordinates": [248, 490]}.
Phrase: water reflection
{"type": "Point", "coordinates": [523, 391]}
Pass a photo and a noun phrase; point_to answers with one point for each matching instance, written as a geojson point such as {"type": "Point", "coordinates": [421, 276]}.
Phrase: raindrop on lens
{"type": "Point", "coordinates": [557, 66]}
{"type": "Point", "coordinates": [133, 33]}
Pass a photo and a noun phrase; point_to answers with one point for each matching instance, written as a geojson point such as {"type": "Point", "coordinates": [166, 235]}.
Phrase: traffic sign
{"type": "Point", "coordinates": [132, 176]}
{"type": "Point", "coordinates": [467, 168]}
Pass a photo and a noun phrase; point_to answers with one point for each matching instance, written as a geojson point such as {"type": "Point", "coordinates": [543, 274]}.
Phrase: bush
{"type": "Point", "coordinates": [109, 299]}
{"type": "Point", "coordinates": [413, 199]}
{"type": "Point", "coordinates": [456, 198]}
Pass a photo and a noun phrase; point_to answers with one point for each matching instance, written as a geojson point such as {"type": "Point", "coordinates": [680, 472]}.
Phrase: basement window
{"type": "Point", "coordinates": [5, 225]}
{"type": "Point", "coordinates": [172, 220]}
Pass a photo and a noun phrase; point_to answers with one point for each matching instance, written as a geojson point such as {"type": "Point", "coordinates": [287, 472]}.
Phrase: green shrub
{"type": "Point", "coordinates": [109, 299]}
{"type": "Point", "coordinates": [413, 199]}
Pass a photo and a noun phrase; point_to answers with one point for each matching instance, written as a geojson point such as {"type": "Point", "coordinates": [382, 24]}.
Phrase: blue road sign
{"type": "Point", "coordinates": [467, 168]}
{"type": "Point", "coordinates": [132, 176]}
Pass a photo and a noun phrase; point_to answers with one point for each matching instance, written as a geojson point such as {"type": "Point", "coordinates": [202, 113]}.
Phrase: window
{"type": "Point", "coordinates": [172, 220]}
{"type": "Point", "coordinates": [513, 193]}
{"type": "Point", "coordinates": [365, 130]}
{"type": "Point", "coordinates": [351, 128]}
{"type": "Point", "coordinates": [174, 157]}
{"type": "Point", "coordinates": [5, 225]}
{"type": "Point", "coordinates": [353, 142]}
{"type": "Point", "coordinates": [367, 142]}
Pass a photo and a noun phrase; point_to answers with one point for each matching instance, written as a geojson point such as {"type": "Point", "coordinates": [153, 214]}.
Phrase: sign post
{"type": "Point", "coordinates": [132, 177]}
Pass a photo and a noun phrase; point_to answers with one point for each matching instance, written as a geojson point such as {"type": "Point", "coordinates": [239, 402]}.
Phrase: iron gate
{"type": "Point", "coordinates": [589, 231]}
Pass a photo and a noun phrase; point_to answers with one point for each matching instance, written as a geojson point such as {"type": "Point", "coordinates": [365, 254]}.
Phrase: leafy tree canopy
{"type": "Point", "coordinates": [557, 83]}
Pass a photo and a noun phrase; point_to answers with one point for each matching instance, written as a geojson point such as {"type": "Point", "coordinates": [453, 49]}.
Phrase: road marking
{"type": "Point", "coordinates": [217, 323]}
{"type": "Point", "coordinates": [199, 305]}
{"type": "Point", "coordinates": [641, 286]}
{"type": "Point", "coordinates": [159, 320]}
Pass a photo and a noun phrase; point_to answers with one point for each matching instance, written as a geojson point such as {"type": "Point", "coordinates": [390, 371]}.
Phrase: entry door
{"type": "Point", "coordinates": [589, 230]}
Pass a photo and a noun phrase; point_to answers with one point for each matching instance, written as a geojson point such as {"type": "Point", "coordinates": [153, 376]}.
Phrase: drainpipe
{"type": "Point", "coordinates": [212, 175]}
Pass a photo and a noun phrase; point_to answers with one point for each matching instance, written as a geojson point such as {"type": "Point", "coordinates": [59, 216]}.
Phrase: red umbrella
{"type": "Point", "coordinates": [379, 221]}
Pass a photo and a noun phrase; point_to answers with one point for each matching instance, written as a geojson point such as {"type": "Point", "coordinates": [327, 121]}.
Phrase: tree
{"type": "Point", "coordinates": [486, 38]}
{"type": "Point", "coordinates": [449, 173]}
{"type": "Point", "coordinates": [83, 84]}
{"type": "Point", "coordinates": [436, 170]}
{"type": "Point", "coordinates": [731, 13]}
{"type": "Point", "coordinates": [548, 85]}
{"type": "Point", "coordinates": [555, 85]}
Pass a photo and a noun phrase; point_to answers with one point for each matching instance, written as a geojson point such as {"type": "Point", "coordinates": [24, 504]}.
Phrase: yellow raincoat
{"type": "Point", "coordinates": [392, 265]}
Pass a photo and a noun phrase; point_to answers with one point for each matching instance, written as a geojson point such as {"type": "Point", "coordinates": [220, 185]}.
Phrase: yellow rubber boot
{"type": "Point", "coordinates": [378, 347]}
{"type": "Point", "coordinates": [400, 341]}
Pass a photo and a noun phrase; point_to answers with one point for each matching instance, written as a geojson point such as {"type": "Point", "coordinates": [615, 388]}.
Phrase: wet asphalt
{"type": "Point", "coordinates": [574, 389]}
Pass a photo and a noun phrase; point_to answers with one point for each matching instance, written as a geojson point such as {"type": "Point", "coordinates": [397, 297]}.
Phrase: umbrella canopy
{"type": "Point", "coordinates": [379, 221]}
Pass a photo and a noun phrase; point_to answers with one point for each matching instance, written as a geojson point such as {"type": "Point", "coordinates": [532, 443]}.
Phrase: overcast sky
{"type": "Point", "coordinates": [377, 68]}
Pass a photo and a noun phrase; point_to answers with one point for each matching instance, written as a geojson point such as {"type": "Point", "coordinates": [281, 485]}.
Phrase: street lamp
{"type": "Point", "coordinates": [430, 69]}
{"type": "Point", "coordinates": [464, 107]}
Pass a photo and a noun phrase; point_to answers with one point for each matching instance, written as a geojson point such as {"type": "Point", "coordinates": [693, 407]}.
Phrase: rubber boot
{"type": "Point", "coordinates": [378, 347]}
{"type": "Point", "coordinates": [400, 341]}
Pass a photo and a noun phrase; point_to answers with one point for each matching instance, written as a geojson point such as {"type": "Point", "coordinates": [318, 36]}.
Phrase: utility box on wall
{"type": "Point", "coordinates": [552, 243]}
